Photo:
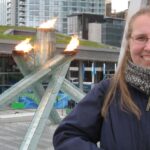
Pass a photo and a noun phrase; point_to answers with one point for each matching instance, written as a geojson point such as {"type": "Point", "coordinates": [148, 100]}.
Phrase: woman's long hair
{"type": "Point", "coordinates": [118, 80]}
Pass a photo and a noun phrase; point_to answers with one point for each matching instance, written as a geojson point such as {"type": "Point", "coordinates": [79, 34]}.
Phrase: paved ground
{"type": "Point", "coordinates": [13, 129]}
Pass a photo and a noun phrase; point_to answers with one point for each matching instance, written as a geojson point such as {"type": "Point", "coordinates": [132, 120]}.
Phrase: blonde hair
{"type": "Point", "coordinates": [118, 80]}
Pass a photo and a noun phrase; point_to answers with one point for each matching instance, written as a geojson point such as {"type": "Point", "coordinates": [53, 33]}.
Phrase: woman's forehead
{"type": "Point", "coordinates": [143, 17]}
{"type": "Point", "coordinates": [141, 23]}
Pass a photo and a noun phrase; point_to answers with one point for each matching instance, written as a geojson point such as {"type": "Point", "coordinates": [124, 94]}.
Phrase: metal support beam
{"type": "Point", "coordinates": [38, 88]}
{"type": "Point", "coordinates": [74, 92]}
{"type": "Point", "coordinates": [6, 97]}
{"type": "Point", "coordinates": [67, 87]}
{"type": "Point", "coordinates": [38, 123]}
{"type": "Point", "coordinates": [81, 74]}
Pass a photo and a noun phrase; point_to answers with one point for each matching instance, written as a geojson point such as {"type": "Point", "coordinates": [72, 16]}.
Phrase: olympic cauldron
{"type": "Point", "coordinates": [37, 63]}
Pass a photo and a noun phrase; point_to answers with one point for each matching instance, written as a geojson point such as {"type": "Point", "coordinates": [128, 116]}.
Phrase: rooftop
{"type": "Point", "coordinates": [10, 36]}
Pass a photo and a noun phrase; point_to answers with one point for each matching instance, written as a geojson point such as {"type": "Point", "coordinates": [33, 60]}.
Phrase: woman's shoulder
{"type": "Point", "coordinates": [103, 85]}
{"type": "Point", "coordinates": [105, 82]}
{"type": "Point", "coordinates": [98, 92]}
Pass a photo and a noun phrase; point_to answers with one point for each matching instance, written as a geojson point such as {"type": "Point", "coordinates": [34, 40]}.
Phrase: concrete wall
{"type": "Point", "coordinates": [94, 33]}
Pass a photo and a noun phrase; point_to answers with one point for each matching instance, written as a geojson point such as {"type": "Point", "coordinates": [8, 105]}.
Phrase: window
{"type": "Point", "coordinates": [46, 2]}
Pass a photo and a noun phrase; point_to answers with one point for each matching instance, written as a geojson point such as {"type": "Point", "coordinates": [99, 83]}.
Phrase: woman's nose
{"type": "Point", "coordinates": [147, 45]}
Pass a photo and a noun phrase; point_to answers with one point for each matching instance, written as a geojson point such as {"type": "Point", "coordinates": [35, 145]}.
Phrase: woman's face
{"type": "Point", "coordinates": [139, 42]}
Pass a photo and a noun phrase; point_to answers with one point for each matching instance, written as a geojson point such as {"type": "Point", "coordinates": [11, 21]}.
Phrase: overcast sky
{"type": "Point", "coordinates": [119, 5]}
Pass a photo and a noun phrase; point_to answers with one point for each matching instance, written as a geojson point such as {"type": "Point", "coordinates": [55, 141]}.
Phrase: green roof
{"type": "Point", "coordinates": [60, 38]}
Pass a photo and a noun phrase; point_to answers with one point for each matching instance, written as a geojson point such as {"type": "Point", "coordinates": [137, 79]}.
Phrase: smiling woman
{"type": "Point", "coordinates": [116, 112]}
{"type": "Point", "coordinates": [120, 5]}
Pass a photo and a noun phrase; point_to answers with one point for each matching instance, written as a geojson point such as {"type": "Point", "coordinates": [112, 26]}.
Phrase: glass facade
{"type": "Point", "coordinates": [33, 12]}
{"type": "Point", "coordinates": [113, 29]}
{"type": "Point", "coordinates": [3, 9]}
{"type": "Point", "coordinates": [9, 72]}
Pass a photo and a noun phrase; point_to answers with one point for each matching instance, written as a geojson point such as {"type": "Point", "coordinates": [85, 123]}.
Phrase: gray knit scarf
{"type": "Point", "coordinates": [138, 77]}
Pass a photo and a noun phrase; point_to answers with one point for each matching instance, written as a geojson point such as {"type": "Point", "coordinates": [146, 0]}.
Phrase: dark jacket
{"type": "Point", "coordinates": [121, 130]}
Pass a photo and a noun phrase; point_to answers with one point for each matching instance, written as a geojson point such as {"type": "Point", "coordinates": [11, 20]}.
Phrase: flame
{"type": "Point", "coordinates": [48, 24]}
{"type": "Point", "coordinates": [74, 43]}
{"type": "Point", "coordinates": [24, 46]}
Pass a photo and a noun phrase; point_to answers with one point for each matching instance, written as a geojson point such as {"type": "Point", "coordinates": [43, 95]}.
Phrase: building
{"type": "Point", "coordinates": [107, 30]}
{"type": "Point", "coordinates": [89, 67]}
{"type": "Point", "coordinates": [108, 7]}
{"type": "Point", "coordinates": [148, 2]}
{"type": "Point", "coordinates": [112, 13]}
{"type": "Point", "coordinates": [122, 14]}
{"type": "Point", "coordinates": [78, 23]}
{"type": "Point", "coordinates": [3, 10]}
{"type": "Point", "coordinates": [112, 31]}
{"type": "Point", "coordinates": [33, 12]}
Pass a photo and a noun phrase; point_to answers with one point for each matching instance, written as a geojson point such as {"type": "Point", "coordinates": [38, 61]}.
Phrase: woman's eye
{"type": "Point", "coordinates": [141, 38]}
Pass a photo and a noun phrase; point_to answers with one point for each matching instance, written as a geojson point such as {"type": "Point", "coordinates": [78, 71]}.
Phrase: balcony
{"type": "Point", "coordinates": [22, 14]}
{"type": "Point", "coordinates": [22, 3]}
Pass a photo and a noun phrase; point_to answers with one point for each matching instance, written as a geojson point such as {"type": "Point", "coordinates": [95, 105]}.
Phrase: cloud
{"type": "Point", "coordinates": [119, 5]}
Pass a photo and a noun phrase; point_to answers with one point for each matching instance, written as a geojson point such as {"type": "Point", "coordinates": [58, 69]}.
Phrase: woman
{"type": "Point", "coordinates": [116, 111]}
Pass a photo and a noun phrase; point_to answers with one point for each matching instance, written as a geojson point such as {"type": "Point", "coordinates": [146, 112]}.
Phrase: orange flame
{"type": "Point", "coordinates": [48, 24]}
{"type": "Point", "coordinates": [74, 43]}
{"type": "Point", "coordinates": [24, 46]}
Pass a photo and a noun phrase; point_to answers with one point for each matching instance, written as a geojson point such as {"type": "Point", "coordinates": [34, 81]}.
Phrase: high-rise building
{"type": "Point", "coordinates": [98, 28]}
{"type": "Point", "coordinates": [34, 12]}
{"type": "Point", "coordinates": [148, 2]}
{"type": "Point", "coordinates": [3, 11]}
{"type": "Point", "coordinates": [108, 7]}
{"type": "Point", "coordinates": [78, 23]}
{"type": "Point", "coordinates": [112, 31]}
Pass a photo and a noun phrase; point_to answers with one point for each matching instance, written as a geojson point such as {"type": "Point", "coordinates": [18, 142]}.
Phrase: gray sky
{"type": "Point", "coordinates": [119, 5]}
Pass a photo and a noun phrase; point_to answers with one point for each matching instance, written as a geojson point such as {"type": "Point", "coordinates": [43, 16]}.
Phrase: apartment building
{"type": "Point", "coordinates": [98, 28]}
{"type": "Point", "coordinates": [34, 12]}
{"type": "Point", "coordinates": [3, 11]}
